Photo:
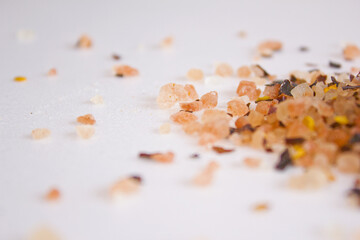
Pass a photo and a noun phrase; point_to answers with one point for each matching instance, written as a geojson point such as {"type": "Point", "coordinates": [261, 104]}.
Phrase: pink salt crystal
{"type": "Point", "coordinates": [257, 139]}
{"type": "Point", "coordinates": [211, 115]}
{"type": "Point", "coordinates": [244, 72]}
{"type": "Point", "coordinates": [167, 157]}
{"type": "Point", "coordinates": [183, 117]}
{"type": "Point", "coordinates": [351, 52]}
{"type": "Point", "coordinates": [191, 93]}
{"type": "Point", "coordinates": [40, 133]}
{"type": "Point", "coordinates": [241, 121]}
{"type": "Point", "coordinates": [97, 99]}
{"type": "Point", "coordinates": [272, 91]}
{"type": "Point", "coordinates": [263, 107]}
{"type": "Point", "coordinates": [255, 118]}
{"type": "Point", "coordinates": [192, 127]}
{"type": "Point", "coordinates": [348, 162]}
{"type": "Point", "coordinates": [302, 90]}
{"type": "Point", "coordinates": [127, 185]}
{"type": "Point", "coordinates": [249, 89]}
{"type": "Point", "coordinates": [205, 177]}
{"type": "Point", "coordinates": [224, 70]}
{"type": "Point", "coordinates": [167, 42]}
{"type": "Point", "coordinates": [323, 108]}
{"type": "Point", "coordinates": [44, 233]}
{"type": "Point", "coordinates": [237, 107]}
{"type": "Point", "coordinates": [297, 129]}
{"type": "Point", "coordinates": [191, 106]}
{"type": "Point", "coordinates": [313, 178]}
{"type": "Point", "coordinates": [207, 138]}
{"type": "Point", "coordinates": [85, 131]}
{"type": "Point", "coordinates": [218, 128]}
{"type": "Point", "coordinates": [170, 94]}
{"type": "Point", "coordinates": [84, 42]}
{"type": "Point", "coordinates": [195, 74]}
{"type": "Point", "coordinates": [210, 99]}
{"type": "Point", "coordinates": [165, 128]}
{"type": "Point", "coordinates": [252, 162]}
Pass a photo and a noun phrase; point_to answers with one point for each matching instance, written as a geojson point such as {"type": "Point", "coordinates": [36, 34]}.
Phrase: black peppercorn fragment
{"type": "Point", "coordinates": [285, 160]}
{"type": "Point", "coordinates": [334, 64]}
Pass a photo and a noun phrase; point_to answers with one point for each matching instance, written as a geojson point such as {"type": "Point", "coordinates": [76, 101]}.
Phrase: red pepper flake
{"type": "Point", "coordinates": [221, 150]}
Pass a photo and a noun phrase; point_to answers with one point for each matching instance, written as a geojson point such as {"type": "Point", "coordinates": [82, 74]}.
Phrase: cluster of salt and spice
{"type": "Point", "coordinates": [313, 120]}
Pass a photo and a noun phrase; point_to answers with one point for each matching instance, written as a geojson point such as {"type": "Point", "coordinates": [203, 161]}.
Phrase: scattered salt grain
{"type": "Point", "coordinates": [224, 70]}
{"type": "Point", "coordinates": [165, 128]}
{"type": "Point", "coordinates": [85, 131]}
{"type": "Point", "coordinates": [40, 133]}
{"type": "Point", "coordinates": [195, 74]}
{"type": "Point", "coordinates": [97, 99]}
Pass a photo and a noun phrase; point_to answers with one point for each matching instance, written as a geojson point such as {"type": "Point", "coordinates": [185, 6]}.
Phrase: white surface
{"type": "Point", "coordinates": [167, 207]}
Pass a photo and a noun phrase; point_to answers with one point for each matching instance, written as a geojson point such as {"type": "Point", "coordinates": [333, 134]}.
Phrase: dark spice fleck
{"type": "Point", "coordinates": [351, 87]}
{"type": "Point", "coordinates": [355, 138]}
{"type": "Point", "coordinates": [145, 155]}
{"type": "Point", "coordinates": [292, 141]}
{"type": "Point", "coordinates": [272, 109]}
{"type": "Point", "coordinates": [285, 160]}
{"type": "Point", "coordinates": [230, 114]}
{"type": "Point", "coordinates": [286, 87]}
{"type": "Point", "coordinates": [333, 80]}
{"type": "Point", "coordinates": [334, 64]}
{"type": "Point", "coordinates": [120, 75]}
{"type": "Point", "coordinates": [116, 57]}
{"type": "Point", "coordinates": [303, 49]}
{"type": "Point", "coordinates": [262, 71]}
{"type": "Point", "coordinates": [222, 150]}
{"type": "Point", "coordinates": [194, 155]}
{"type": "Point", "coordinates": [137, 178]}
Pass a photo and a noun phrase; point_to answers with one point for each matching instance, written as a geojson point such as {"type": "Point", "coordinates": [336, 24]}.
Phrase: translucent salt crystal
{"type": "Point", "coordinates": [183, 117]}
{"type": "Point", "coordinates": [255, 118]}
{"type": "Point", "coordinates": [44, 233]}
{"type": "Point", "coordinates": [237, 107]}
{"type": "Point", "coordinates": [84, 42]}
{"type": "Point", "coordinates": [302, 90]}
{"type": "Point", "coordinates": [272, 91]}
{"type": "Point", "coordinates": [40, 133]}
{"type": "Point", "coordinates": [191, 106]}
{"type": "Point", "coordinates": [214, 80]}
{"type": "Point", "coordinates": [313, 178]}
{"type": "Point", "coordinates": [224, 70]}
{"type": "Point", "coordinates": [124, 186]}
{"type": "Point", "coordinates": [25, 35]}
{"type": "Point", "coordinates": [211, 115]}
{"type": "Point", "coordinates": [218, 128]}
{"type": "Point", "coordinates": [170, 94]}
{"type": "Point", "coordinates": [165, 128]}
{"type": "Point", "coordinates": [195, 74]}
{"type": "Point", "coordinates": [210, 99]}
{"type": "Point", "coordinates": [249, 89]}
{"type": "Point", "coordinates": [191, 92]}
{"type": "Point", "coordinates": [348, 162]}
{"type": "Point", "coordinates": [85, 131]}
{"type": "Point", "coordinates": [97, 99]}
{"type": "Point", "coordinates": [243, 72]}
{"type": "Point", "coordinates": [192, 127]}
{"type": "Point", "coordinates": [86, 119]}
{"type": "Point", "coordinates": [205, 177]}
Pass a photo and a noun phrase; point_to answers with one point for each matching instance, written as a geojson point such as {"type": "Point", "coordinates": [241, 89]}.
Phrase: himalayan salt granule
{"type": "Point", "coordinates": [172, 93]}
{"type": "Point", "coordinates": [97, 99]}
{"type": "Point", "coordinates": [211, 115]}
{"type": "Point", "coordinates": [183, 117]}
{"type": "Point", "coordinates": [195, 74]}
{"type": "Point", "coordinates": [218, 128]}
{"type": "Point", "coordinates": [191, 106]}
{"type": "Point", "coordinates": [302, 90]}
{"type": "Point", "coordinates": [44, 233]}
{"type": "Point", "coordinates": [348, 162]}
{"type": "Point", "coordinates": [192, 127]}
{"type": "Point", "coordinates": [165, 128]}
{"type": "Point", "coordinates": [210, 99]}
{"type": "Point", "coordinates": [84, 42]}
{"type": "Point", "coordinates": [86, 119]}
{"type": "Point", "coordinates": [255, 118]}
{"type": "Point", "coordinates": [263, 107]}
{"type": "Point", "coordinates": [252, 162]}
{"type": "Point", "coordinates": [52, 194]}
{"type": "Point", "coordinates": [241, 122]}
{"type": "Point", "coordinates": [313, 178]}
{"type": "Point", "coordinates": [224, 70]}
{"type": "Point", "coordinates": [127, 185]}
{"type": "Point", "coordinates": [257, 139]}
{"type": "Point", "coordinates": [167, 42]}
{"type": "Point", "coordinates": [85, 131]}
{"type": "Point", "coordinates": [237, 107]}
{"type": "Point", "coordinates": [167, 157]}
{"type": "Point", "coordinates": [243, 72]}
{"type": "Point", "coordinates": [191, 92]}
{"type": "Point", "coordinates": [40, 133]}
{"type": "Point", "coordinates": [261, 207]}
{"type": "Point", "coordinates": [267, 48]}
{"type": "Point", "coordinates": [207, 139]}
{"type": "Point", "coordinates": [205, 177]}
{"type": "Point", "coordinates": [249, 89]}
{"type": "Point", "coordinates": [125, 71]}
{"type": "Point", "coordinates": [20, 79]}
{"type": "Point", "coordinates": [351, 52]}
{"type": "Point", "coordinates": [52, 72]}
{"type": "Point", "coordinates": [242, 34]}
{"type": "Point", "coordinates": [272, 91]}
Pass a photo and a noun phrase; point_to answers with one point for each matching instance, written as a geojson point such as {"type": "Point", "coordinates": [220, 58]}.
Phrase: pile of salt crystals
{"type": "Point", "coordinates": [313, 120]}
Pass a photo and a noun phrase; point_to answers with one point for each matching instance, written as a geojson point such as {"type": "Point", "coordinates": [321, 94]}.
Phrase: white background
{"type": "Point", "coordinates": [167, 206]}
